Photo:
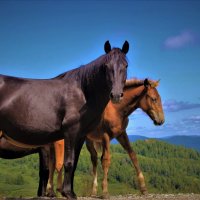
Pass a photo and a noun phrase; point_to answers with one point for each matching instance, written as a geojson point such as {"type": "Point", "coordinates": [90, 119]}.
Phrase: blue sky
{"type": "Point", "coordinates": [41, 39]}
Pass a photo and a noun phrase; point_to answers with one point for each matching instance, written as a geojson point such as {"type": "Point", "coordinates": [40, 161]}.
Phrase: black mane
{"type": "Point", "coordinates": [84, 73]}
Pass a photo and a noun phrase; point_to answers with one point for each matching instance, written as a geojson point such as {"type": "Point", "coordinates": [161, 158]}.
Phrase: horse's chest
{"type": "Point", "coordinates": [115, 126]}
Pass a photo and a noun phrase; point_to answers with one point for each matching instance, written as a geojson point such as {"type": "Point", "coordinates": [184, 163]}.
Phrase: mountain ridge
{"type": "Point", "coordinates": [188, 141]}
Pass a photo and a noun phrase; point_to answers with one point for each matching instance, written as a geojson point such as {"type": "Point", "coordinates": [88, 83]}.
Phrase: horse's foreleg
{"type": "Point", "coordinates": [124, 141]}
{"type": "Point", "coordinates": [43, 171]}
{"type": "Point", "coordinates": [105, 161]}
{"type": "Point", "coordinates": [50, 186]}
{"type": "Point", "coordinates": [93, 155]}
{"type": "Point", "coordinates": [73, 146]}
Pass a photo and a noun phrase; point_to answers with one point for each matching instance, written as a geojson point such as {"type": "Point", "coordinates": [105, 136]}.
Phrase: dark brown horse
{"type": "Point", "coordinates": [114, 123]}
{"type": "Point", "coordinates": [9, 151]}
{"type": "Point", "coordinates": [37, 112]}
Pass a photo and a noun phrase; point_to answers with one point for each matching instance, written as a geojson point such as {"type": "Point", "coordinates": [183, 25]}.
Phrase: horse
{"type": "Point", "coordinates": [37, 112]}
{"type": "Point", "coordinates": [114, 123]}
{"type": "Point", "coordinates": [137, 94]}
{"type": "Point", "coordinates": [10, 151]}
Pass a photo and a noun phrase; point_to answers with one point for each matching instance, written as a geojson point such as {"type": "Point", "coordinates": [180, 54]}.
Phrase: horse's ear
{"type": "Point", "coordinates": [155, 83]}
{"type": "Point", "coordinates": [107, 47]}
{"type": "Point", "coordinates": [146, 83]}
{"type": "Point", "coordinates": [125, 47]}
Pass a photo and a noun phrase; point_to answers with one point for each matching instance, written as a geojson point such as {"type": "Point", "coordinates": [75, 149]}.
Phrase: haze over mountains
{"type": "Point", "coordinates": [192, 141]}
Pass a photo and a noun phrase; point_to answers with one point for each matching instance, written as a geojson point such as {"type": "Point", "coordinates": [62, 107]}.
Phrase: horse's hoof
{"type": "Point", "coordinates": [94, 193]}
{"type": "Point", "coordinates": [42, 195]}
{"type": "Point", "coordinates": [59, 190]}
{"type": "Point", "coordinates": [51, 194]}
{"type": "Point", "coordinates": [69, 195]}
{"type": "Point", "coordinates": [144, 191]}
{"type": "Point", "coordinates": [93, 196]}
{"type": "Point", "coordinates": [105, 196]}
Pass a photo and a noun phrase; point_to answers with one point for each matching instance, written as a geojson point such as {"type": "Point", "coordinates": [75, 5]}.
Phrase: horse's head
{"type": "Point", "coordinates": [116, 70]}
{"type": "Point", "coordinates": [151, 102]}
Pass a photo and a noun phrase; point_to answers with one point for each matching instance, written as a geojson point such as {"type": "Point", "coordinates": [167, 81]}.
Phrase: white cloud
{"type": "Point", "coordinates": [175, 106]}
{"type": "Point", "coordinates": [185, 38]}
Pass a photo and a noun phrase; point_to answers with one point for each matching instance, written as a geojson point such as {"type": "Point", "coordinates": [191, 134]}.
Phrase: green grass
{"type": "Point", "coordinates": [167, 169]}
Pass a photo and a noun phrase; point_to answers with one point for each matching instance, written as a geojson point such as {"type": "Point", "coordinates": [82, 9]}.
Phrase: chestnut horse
{"type": "Point", "coordinates": [55, 163]}
{"type": "Point", "coordinates": [137, 94]}
{"type": "Point", "coordinates": [38, 112]}
{"type": "Point", "coordinates": [114, 123]}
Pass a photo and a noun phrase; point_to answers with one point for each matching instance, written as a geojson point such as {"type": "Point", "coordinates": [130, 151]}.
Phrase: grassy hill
{"type": "Point", "coordinates": [167, 169]}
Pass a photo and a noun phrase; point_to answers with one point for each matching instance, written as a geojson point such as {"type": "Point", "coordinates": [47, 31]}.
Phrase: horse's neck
{"type": "Point", "coordinates": [130, 102]}
{"type": "Point", "coordinates": [96, 88]}
{"type": "Point", "coordinates": [92, 80]}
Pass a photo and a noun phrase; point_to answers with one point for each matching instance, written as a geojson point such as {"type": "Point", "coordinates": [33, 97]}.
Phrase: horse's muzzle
{"type": "Point", "coordinates": [158, 123]}
{"type": "Point", "coordinates": [116, 98]}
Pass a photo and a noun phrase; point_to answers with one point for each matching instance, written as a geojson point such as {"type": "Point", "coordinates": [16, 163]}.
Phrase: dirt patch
{"type": "Point", "coordinates": [126, 197]}
{"type": "Point", "coordinates": [151, 197]}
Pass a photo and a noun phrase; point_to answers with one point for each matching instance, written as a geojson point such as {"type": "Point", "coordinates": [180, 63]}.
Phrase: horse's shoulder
{"type": "Point", "coordinates": [73, 92]}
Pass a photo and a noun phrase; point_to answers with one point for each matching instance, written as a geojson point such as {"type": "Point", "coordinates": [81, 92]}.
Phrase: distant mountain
{"type": "Point", "coordinates": [186, 141]}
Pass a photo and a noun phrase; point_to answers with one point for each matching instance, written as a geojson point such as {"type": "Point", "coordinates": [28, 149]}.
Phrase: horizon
{"type": "Point", "coordinates": [40, 39]}
{"type": "Point", "coordinates": [167, 136]}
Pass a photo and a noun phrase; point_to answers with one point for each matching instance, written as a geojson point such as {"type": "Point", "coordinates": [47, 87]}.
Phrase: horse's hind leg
{"type": "Point", "coordinates": [43, 171]}
{"type": "Point", "coordinates": [93, 155]}
{"type": "Point", "coordinates": [50, 187]}
{"type": "Point", "coordinates": [59, 154]}
{"type": "Point", "coordinates": [105, 161]}
{"type": "Point", "coordinates": [124, 141]}
{"type": "Point", "coordinates": [59, 180]}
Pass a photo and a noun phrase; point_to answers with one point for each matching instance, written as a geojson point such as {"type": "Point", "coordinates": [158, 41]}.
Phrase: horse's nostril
{"type": "Point", "coordinates": [122, 94]}
{"type": "Point", "coordinates": [111, 95]}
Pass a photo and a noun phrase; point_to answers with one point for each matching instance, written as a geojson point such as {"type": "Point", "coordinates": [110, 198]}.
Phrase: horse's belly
{"type": "Point", "coordinates": [95, 136]}
{"type": "Point", "coordinates": [25, 139]}
{"type": "Point", "coordinates": [10, 151]}
{"type": "Point", "coordinates": [30, 125]}
{"type": "Point", "coordinates": [30, 132]}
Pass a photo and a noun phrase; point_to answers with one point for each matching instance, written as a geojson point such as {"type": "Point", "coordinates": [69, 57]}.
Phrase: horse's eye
{"type": "Point", "coordinates": [154, 100]}
{"type": "Point", "coordinates": [126, 66]}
